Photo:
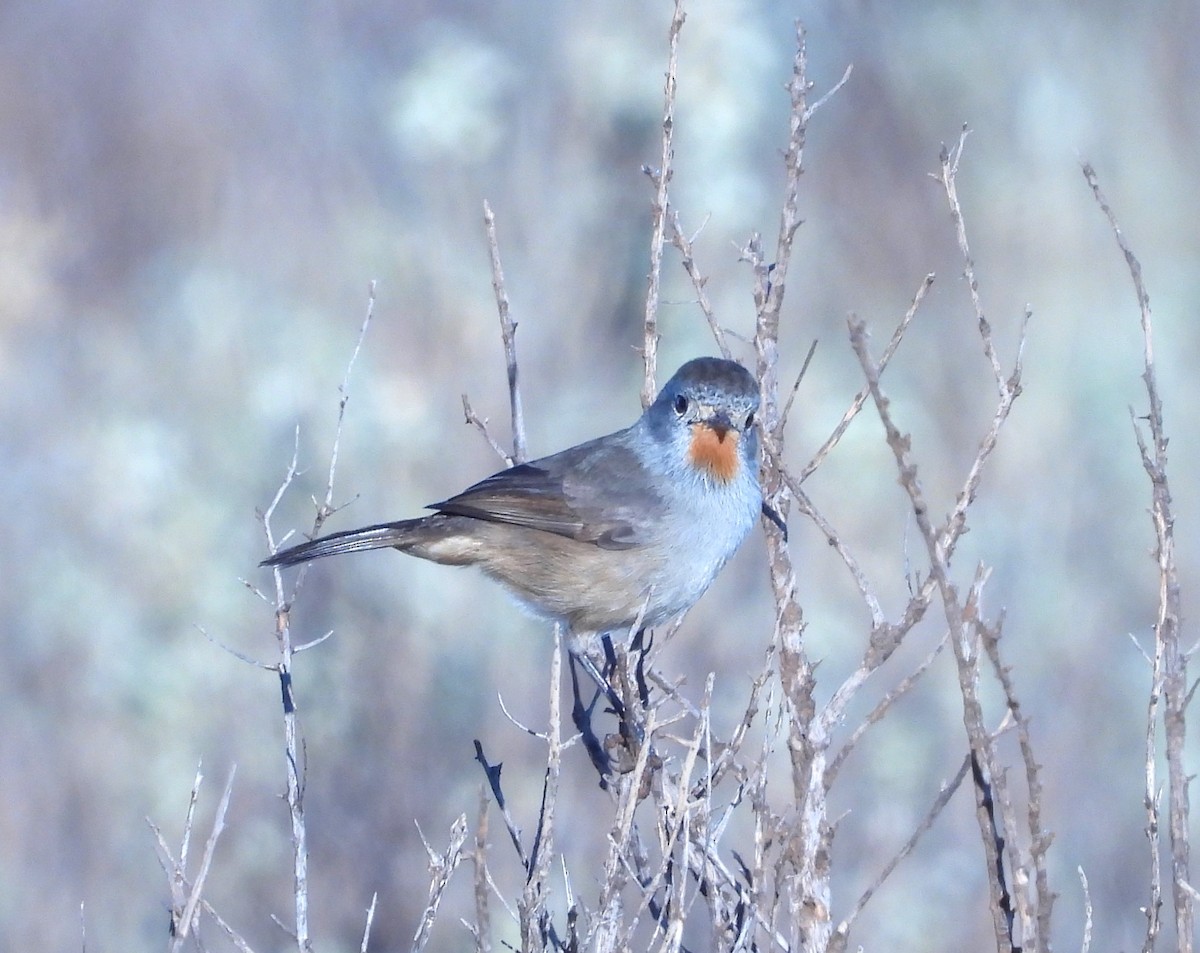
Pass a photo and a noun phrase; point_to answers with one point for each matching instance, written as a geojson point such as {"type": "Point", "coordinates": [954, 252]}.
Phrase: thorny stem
{"type": "Point", "coordinates": [1169, 675]}
{"type": "Point", "coordinates": [294, 755]}
{"type": "Point", "coordinates": [808, 853]}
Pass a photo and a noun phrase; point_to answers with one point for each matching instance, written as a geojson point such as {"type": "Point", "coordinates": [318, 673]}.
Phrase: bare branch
{"type": "Point", "coordinates": [809, 509]}
{"type": "Point", "coordinates": [366, 940]}
{"type": "Point", "coordinates": [441, 868]}
{"type": "Point", "coordinates": [232, 651]}
{"type": "Point", "coordinates": [939, 804]}
{"type": "Point", "coordinates": [861, 397]}
{"type": "Point", "coordinates": [906, 684]}
{"type": "Point", "coordinates": [958, 619]}
{"type": "Point", "coordinates": [508, 333]}
{"type": "Point", "coordinates": [830, 93]}
{"type": "Point", "coordinates": [492, 773]}
{"type": "Point", "coordinates": [234, 937]}
{"type": "Point", "coordinates": [699, 283]}
{"type": "Point", "coordinates": [312, 643]}
{"type": "Point", "coordinates": [661, 178]}
{"type": "Point", "coordinates": [186, 898]}
{"type": "Point", "coordinates": [266, 515]}
{"type": "Point", "coordinates": [482, 928]}
{"type": "Point", "coordinates": [947, 177]}
{"type": "Point", "coordinates": [807, 840]}
{"type": "Point", "coordinates": [1087, 913]}
{"type": "Point", "coordinates": [480, 424]}
{"type": "Point", "coordinates": [189, 912]}
{"type": "Point", "coordinates": [787, 407]}
{"type": "Point", "coordinates": [1170, 676]}
{"type": "Point", "coordinates": [1039, 838]}
{"type": "Point", "coordinates": [327, 509]}
{"type": "Point", "coordinates": [293, 742]}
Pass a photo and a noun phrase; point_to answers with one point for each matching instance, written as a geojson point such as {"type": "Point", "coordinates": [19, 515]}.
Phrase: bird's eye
{"type": "Point", "coordinates": [749, 420]}
{"type": "Point", "coordinates": [681, 405]}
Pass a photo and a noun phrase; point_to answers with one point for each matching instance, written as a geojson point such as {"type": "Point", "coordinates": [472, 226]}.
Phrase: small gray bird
{"type": "Point", "coordinates": [631, 526]}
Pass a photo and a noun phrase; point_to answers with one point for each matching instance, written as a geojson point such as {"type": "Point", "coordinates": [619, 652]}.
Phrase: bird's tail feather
{"type": "Point", "coordinates": [379, 536]}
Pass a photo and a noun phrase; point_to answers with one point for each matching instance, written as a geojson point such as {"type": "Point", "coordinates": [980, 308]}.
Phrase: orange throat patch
{"type": "Point", "coordinates": [714, 453]}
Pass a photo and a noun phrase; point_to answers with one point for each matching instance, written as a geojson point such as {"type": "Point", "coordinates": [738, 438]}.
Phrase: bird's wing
{"type": "Point", "coordinates": [595, 493]}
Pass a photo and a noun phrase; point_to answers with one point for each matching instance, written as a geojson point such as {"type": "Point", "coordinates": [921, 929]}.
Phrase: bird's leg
{"type": "Point", "coordinates": [641, 645]}
{"type": "Point", "coordinates": [773, 515]}
{"type": "Point", "coordinates": [630, 721]}
{"type": "Point", "coordinates": [581, 715]}
{"type": "Point", "coordinates": [610, 655]}
{"type": "Point", "coordinates": [603, 677]}
{"type": "Point", "coordinates": [631, 732]}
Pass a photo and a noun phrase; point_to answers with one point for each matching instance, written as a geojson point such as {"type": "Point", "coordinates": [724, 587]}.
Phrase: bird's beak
{"type": "Point", "coordinates": [720, 424]}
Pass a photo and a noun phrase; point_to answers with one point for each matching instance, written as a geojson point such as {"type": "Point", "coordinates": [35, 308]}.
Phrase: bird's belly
{"type": "Point", "coordinates": [588, 588]}
{"type": "Point", "coordinates": [592, 589]}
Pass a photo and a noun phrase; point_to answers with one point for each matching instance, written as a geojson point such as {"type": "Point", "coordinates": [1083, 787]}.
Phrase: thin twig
{"type": "Point", "coordinates": [661, 177]}
{"type": "Point", "coordinates": [876, 714]}
{"type": "Point", "coordinates": [787, 407]}
{"type": "Point", "coordinates": [699, 283]}
{"type": "Point", "coordinates": [605, 928]}
{"type": "Point", "coordinates": [534, 917]}
{"type": "Point", "coordinates": [186, 898]}
{"type": "Point", "coordinates": [441, 868]}
{"type": "Point", "coordinates": [234, 937]}
{"type": "Point", "coordinates": [480, 424]}
{"type": "Point", "coordinates": [508, 333]}
{"type": "Point", "coordinates": [185, 843]}
{"type": "Point", "coordinates": [966, 653]}
{"type": "Point", "coordinates": [809, 509]}
{"type": "Point", "coordinates": [492, 773]}
{"type": "Point", "coordinates": [861, 397]}
{"type": "Point", "coordinates": [189, 913]}
{"type": "Point", "coordinates": [1170, 678]}
{"type": "Point", "coordinates": [482, 927]}
{"type": "Point", "coordinates": [1039, 838]}
{"type": "Point", "coordinates": [1008, 388]}
{"type": "Point", "coordinates": [1031, 912]}
{"type": "Point", "coordinates": [293, 468]}
{"type": "Point", "coordinates": [283, 601]}
{"type": "Point", "coordinates": [939, 804]}
{"type": "Point", "coordinates": [327, 509]}
{"type": "Point", "coordinates": [1086, 946]}
{"type": "Point", "coordinates": [366, 940]}
{"type": "Point", "coordinates": [806, 842]}
{"type": "Point", "coordinates": [948, 177]}
{"type": "Point", "coordinates": [312, 643]}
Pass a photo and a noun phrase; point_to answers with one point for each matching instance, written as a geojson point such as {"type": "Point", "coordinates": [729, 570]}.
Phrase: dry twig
{"type": "Point", "coordinates": [508, 334]}
{"type": "Point", "coordinates": [661, 178]}
{"type": "Point", "coordinates": [187, 900]}
{"type": "Point", "coordinates": [441, 868]}
{"type": "Point", "coordinates": [808, 838]}
{"type": "Point", "coordinates": [283, 602]}
{"type": "Point", "coordinates": [1169, 677]}
{"type": "Point", "coordinates": [366, 940]}
{"type": "Point", "coordinates": [481, 424]}
{"type": "Point", "coordinates": [699, 282]}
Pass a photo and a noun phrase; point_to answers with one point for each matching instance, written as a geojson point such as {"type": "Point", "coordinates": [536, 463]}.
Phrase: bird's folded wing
{"type": "Point", "coordinates": [591, 493]}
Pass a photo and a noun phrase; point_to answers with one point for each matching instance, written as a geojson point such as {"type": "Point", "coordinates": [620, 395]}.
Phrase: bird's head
{"type": "Point", "coordinates": [705, 414]}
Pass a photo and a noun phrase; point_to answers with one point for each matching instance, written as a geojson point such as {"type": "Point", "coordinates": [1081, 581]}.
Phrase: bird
{"type": "Point", "coordinates": [626, 530]}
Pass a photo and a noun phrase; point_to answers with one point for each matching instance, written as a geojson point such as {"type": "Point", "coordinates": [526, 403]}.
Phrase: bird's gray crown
{"type": "Point", "coordinates": [713, 381]}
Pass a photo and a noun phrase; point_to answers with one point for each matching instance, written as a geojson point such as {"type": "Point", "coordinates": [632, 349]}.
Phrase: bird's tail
{"type": "Point", "coordinates": [379, 536]}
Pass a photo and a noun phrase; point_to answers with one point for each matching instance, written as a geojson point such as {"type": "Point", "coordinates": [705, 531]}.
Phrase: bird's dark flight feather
{"type": "Point", "coordinates": [549, 495]}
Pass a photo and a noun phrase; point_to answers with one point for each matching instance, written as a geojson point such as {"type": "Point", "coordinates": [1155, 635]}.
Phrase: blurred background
{"type": "Point", "coordinates": [193, 200]}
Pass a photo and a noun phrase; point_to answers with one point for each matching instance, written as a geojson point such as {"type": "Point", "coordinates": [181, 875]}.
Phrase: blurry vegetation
{"type": "Point", "coordinates": [192, 203]}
